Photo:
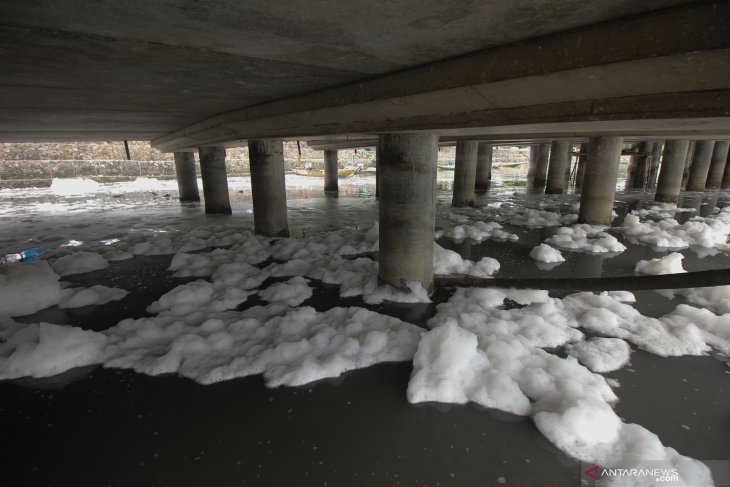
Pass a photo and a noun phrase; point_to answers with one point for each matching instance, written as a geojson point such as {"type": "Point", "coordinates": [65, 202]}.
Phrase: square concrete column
{"type": "Point", "coordinates": [331, 171]}
{"type": "Point", "coordinates": [670, 174]}
{"type": "Point", "coordinates": [556, 167]}
{"type": "Point", "coordinates": [599, 182]}
{"type": "Point", "coordinates": [187, 181]}
{"type": "Point", "coordinates": [700, 167]}
{"type": "Point", "coordinates": [465, 173]}
{"type": "Point", "coordinates": [484, 168]}
{"type": "Point", "coordinates": [407, 208]}
{"type": "Point", "coordinates": [717, 164]}
{"type": "Point", "coordinates": [215, 180]}
{"type": "Point", "coordinates": [268, 187]}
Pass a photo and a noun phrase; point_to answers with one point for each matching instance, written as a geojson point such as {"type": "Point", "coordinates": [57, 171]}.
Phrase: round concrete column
{"type": "Point", "coordinates": [688, 164]}
{"type": "Point", "coordinates": [187, 181]}
{"type": "Point", "coordinates": [268, 187]}
{"type": "Point", "coordinates": [484, 168]}
{"type": "Point", "coordinates": [215, 181]}
{"type": "Point", "coordinates": [581, 169]}
{"type": "Point", "coordinates": [670, 174]}
{"type": "Point", "coordinates": [700, 165]}
{"type": "Point", "coordinates": [717, 164]}
{"type": "Point", "coordinates": [377, 171]}
{"type": "Point", "coordinates": [599, 182]}
{"type": "Point", "coordinates": [407, 208]}
{"type": "Point", "coordinates": [726, 176]}
{"type": "Point", "coordinates": [541, 169]}
{"type": "Point", "coordinates": [465, 173]}
{"type": "Point", "coordinates": [654, 165]}
{"type": "Point", "coordinates": [556, 167]}
{"type": "Point", "coordinates": [532, 164]}
{"type": "Point", "coordinates": [641, 163]}
{"type": "Point", "coordinates": [330, 171]}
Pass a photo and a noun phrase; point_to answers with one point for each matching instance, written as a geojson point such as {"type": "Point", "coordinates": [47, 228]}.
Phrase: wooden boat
{"type": "Point", "coordinates": [319, 173]}
{"type": "Point", "coordinates": [445, 167]}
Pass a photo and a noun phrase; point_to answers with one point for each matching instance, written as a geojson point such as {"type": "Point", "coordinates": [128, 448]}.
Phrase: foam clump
{"type": "Point", "coordinates": [76, 297]}
{"type": "Point", "coordinates": [288, 346]}
{"type": "Point", "coordinates": [79, 263]}
{"type": "Point", "coordinates": [481, 352]}
{"type": "Point", "coordinates": [43, 350]}
{"type": "Point", "coordinates": [449, 262]}
{"type": "Point", "coordinates": [292, 292]}
{"type": "Point", "coordinates": [478, 232]}
{"type": "Point", "coordinates": [669, 264]}
{"type": "Point", "coordinates": [585, 238]}
{"type": "Point", "coordinates": [601, 354]}
{"type": "Point", "coordinates": [546, 253]}
{"type": "Point", "coordinates": [667, 232]}
{"type": "Point", "coordinates": [27, 288]}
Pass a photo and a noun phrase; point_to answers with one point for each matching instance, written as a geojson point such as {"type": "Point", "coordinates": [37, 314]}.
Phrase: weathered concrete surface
{"type": "Point", "coordinates": [654, 165]}
{"type": "Point", "coordinates": [187, 181]}
{"type": "Point", "coordinates": [670, 174]}
{"type": "Point", "coordinates": [407, 208]}
{"type": "Point", "coordinates": [215, 180]}
{"type": "Point", "coordinates": [465, 172]}
{"type": "Point", "coordinates": [556, 168]}
{"type": "Point", "coordinates": [484, 168]}
{"type": "Point", "coordinates": [700, 165]}
{"type": "Point", "coordinates": [581, 169]}
{"type": "Point", "coordinates": [717, 164]}
{"type": "Point", "coordinates": [636, 68]}
{"type": "Point", "coordinates": [268, 187]}
{"type": "Point", "coordinates": [541, 169]}
{"type": "Point", "coordinates": [599, 181]}
{"type": "Point", "coordinates": [331, 171]}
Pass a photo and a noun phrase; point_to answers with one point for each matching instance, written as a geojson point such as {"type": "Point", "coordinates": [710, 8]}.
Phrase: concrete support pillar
{"type": "Point", "coordinates": [532, 163]}
{"type": "Point", "coordinates": [484, 168]}
{"type": "Point", "coordinates": [688, 164]}
{"type": "Point", "coordinates": [465, 173]}
{"type": "Point", "coordinates": [377, 171]}
{"type": "Point", "coordinates": [268, 187]}
{"type": "Point", "coordinates": [568, 168]}
{"type": "Point", "coordinates": [581, 169]}
{"type": "Point", "coordinates": [187, 181]}
{"type": "Point", "coordinates": [599, 182]}
{"type": "Point", "coordinates": [541, 169]}
{"type": "Point", "coordinates": [215, 180]}
{"type": "Point", "coordinates": [331, 171]}
{"type": "Point", "coordinates": [631, 169]}
{"type": "Point", "coordinates": [407, 208]}
{"type": "Point", "coordinates": [700, 165]}
{"type": "Point", "coordinates": [641, 167]}
{"type": "Point", "coordinates": [556, 169]}
{"type": "Point", "coordinates": [717, 164]}
{"type": "Point", "coordinates": [654, 166]}
{"type": "Point", "coordinates": [670, 175]}
{"type": "Point", "coordinates": [726, 176]}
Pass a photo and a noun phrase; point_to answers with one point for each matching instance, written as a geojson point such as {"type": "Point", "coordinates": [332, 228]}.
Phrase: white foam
{"type": "Point", "coordinates": [585, 238]}
{"type": "Point", "coordinates": [601, 354]}
{"type": "Point", "coordinates": [43, 350]}
{"type": "Point", "coordinates": [669, 264]}
{"type": "Point", "coordinates": [76, 297]}
{"type": "Point", "coordinates": [27, 288]}
{"type": "Point", "coordinates": [291, 293]}
{"type": "Point", "coordinates": [79, 263]}
{"type": "Point", "coordinates": [545, 253]}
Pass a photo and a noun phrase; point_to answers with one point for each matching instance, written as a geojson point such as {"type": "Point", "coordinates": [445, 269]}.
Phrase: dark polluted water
{"type": "Point", "coordinates": [97, 427]}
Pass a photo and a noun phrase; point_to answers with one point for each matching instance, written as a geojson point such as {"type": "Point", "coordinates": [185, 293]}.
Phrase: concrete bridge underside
{"type": "Point", "coordinates": [186, 74]}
